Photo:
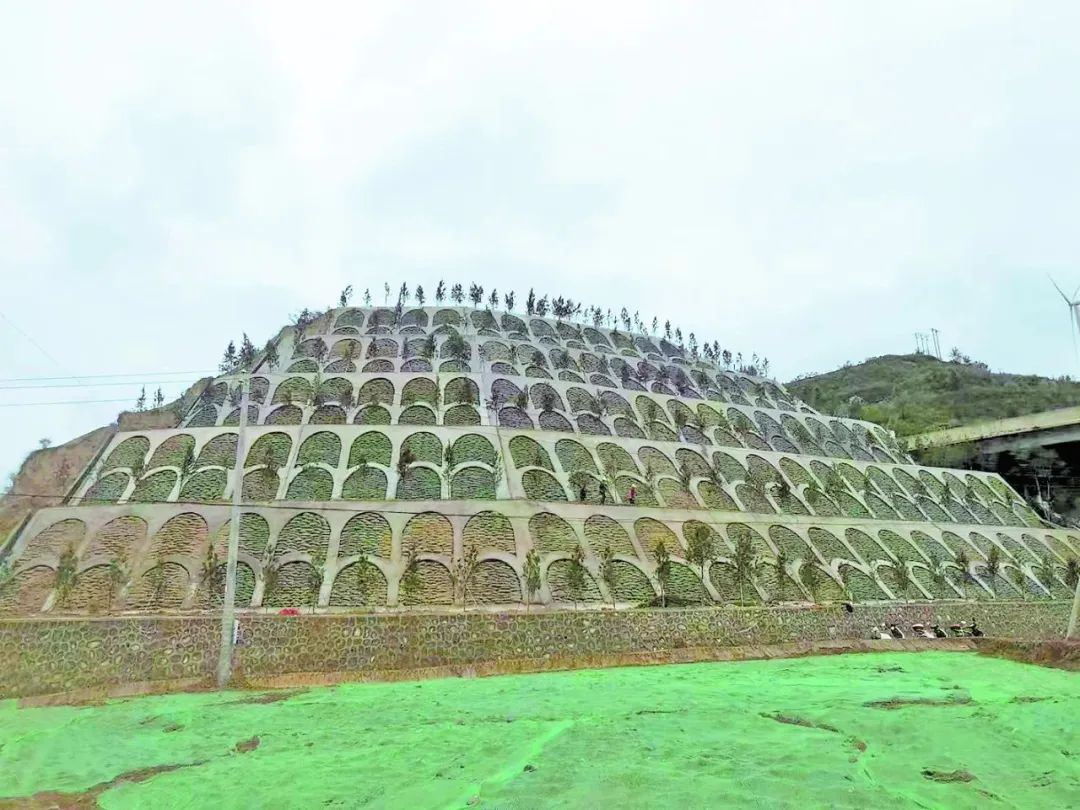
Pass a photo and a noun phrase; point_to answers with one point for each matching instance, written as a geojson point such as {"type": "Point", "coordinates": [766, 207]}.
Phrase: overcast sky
{"type": "Point", "coordinates": [811, 181]}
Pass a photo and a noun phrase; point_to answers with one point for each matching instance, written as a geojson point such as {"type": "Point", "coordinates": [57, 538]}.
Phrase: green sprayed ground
{"type": "Point", "coordinates": [789, 733]}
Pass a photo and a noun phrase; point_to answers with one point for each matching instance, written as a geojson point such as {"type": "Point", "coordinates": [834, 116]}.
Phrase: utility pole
{"type": "Point", "coordinates": [1074, 618]}
{"type": "Point", "coordinates": [228, 609]}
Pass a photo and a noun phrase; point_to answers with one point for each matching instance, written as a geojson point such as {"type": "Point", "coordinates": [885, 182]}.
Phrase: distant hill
{"type": "Point", "coordinates": [914, 393]}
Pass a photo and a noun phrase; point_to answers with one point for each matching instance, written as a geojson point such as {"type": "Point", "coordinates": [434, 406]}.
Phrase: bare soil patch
{"type": "Point", "coordinates": [899, 703]}
{"type": "Point", "coordinates": [947, 776]}
{"type": "Point", "coordinates": [1059, 654]}
{"type": "Point", "coordinates": [86, 799]}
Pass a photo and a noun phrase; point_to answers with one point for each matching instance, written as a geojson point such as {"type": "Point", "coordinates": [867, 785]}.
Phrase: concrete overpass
{"type": "Point", "coordinates": [1061, 426]}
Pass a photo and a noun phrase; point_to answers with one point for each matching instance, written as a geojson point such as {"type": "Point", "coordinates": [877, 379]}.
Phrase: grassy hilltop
{"type": "Point", "coordinates": [914, 393]}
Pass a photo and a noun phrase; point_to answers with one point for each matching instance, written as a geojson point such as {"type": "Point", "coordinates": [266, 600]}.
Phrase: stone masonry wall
{"type": "Point", "coordinates": [41, 657]}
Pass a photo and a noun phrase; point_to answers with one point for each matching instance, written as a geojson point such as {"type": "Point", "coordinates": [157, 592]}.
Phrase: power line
{"type": "Point", "coordinates": [60, 402]}
{"type": "Point", "coordinates": [33, 342]}
{"type": "Point", "coordinates": [92, 385]}
{"type": "Point", "coordinates": [104, 376]}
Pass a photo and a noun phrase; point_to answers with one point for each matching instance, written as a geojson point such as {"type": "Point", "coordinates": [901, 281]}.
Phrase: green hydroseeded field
{"type": "Point", "coordinates": [885, 730]}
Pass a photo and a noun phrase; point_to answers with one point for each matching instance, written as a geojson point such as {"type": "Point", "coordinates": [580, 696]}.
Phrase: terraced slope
{"type": "Point", "coordinates": [417, 458]}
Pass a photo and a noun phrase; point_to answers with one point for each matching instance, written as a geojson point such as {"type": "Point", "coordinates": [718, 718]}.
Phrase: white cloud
{"type": "Point", "coordinates": [814, 181]}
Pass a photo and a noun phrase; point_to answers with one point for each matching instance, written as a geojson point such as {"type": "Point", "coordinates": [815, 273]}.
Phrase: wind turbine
{"type": "Point", "coordinates": [1074, 314]}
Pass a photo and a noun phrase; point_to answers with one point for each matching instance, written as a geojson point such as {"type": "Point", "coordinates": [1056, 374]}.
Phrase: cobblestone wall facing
{"type": "Point", "coordinates": [47, 656]}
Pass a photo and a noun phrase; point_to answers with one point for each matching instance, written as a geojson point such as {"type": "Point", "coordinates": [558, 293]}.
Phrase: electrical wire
{"type": "Point", "coordinates": [141, 381]}
{"type": "Point", "coordinates": [60, 402]}
{"type": "Point", "coordinates": [33, 342]}
{"type": "Point", "coordinates": [105, 376]}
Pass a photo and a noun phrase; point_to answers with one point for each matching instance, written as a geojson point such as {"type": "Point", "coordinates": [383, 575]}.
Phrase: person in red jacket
{"type": "Point", "coordinates": [631, 496]}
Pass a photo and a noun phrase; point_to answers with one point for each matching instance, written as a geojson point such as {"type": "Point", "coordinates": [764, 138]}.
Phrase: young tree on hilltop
{"type": "Point", "coordinates": [462, 573]}
{"type": "Point", "coordinates": [457, 294]}
{"type": "Point", "coordinates": [457, 348]}
{"type": "Point", "coordinates": [663, 570]}
{"type": "Point", "coordinates": [386, 292]}
{"type": "Point", "coordinates": [608, 571]}
{"type": "Point", "coordinates": [811, 578]}
{"type": "Point", "coordinates": [45, 443]}
{"type": "Point", "coordinates": [693, 346]}
{"type": "Point", "coordinates": [743, 563]}
{"type": "Point", "coordinates": [7, 578]}
{"type": "Point", "coordinates": [680, 419]}
{"type": "Point", "coordinates": [1019, 581]}
{"type": "Point", "coordinates": [531, 569]}
{"type": "Point", "coordinates": [476, 294]}
{"type": "Point", "coordinates": [993, 566]}
{"type": "Point", "coordinates": [406, 459]}
{"type": "Point", "coordinates": [66, 575]}
{"type": "Point", "coordinates": [271, 575]}
{"type": "Point", "coordinates": [701, 548]}
{"type": "Point", "coordinates": [542, 307]}
{"type": "Point", "coordinates": [403, 293]}
{"type": "Point", "coordinates": [726, 356]}
{"type": "Point", "coordinates": [420, 294]}
{"type": "Point", "coordinates": [901, 577]}
{"type": "Point", "coordinates": [1072, 572]}
{"type": "Point", "coordinates": [575, 576]}
{"type": "Point", "coordinates": [655, 324]}
{"type": "Point", "coordinates": [440, 292]}
{"type": "Point", "coordinates": [530, 303]}
{"type": "Point", "coordinates": [270, 354]}
{"type": "Point", "coordinates": [118, 576]}
{"type": "Point", "coordinates": [346, 294]}
{"type": "Point", "coordinates": [624, 317]}
{"type": "Point", "coordinates": [140, 403]}
{"type": "Point", "coordinates": [493, 299]}
{"type": "Point", "coordinates": [961, 561]}
{"type": "Point", "coordinates": [367, 297]}
{"type": "Point", "coordinates": [508, 301]}
{"type": "Point", "coordinates": [228, 360]}
{"type": "Point", "coordinates": [212, 572]}
{"type": "Point", "coordinates": [678, 336]}
{"type": "Point", "coordinates": [780, 567]}
{"type": "Point", "coordinates": [411, 582]}
{"type": "Point", "coordinates": [246, 358]}
{"type": "Point", "coordinates": [667, 329]}
{"type": "Point", "coordinates": [597, 317]}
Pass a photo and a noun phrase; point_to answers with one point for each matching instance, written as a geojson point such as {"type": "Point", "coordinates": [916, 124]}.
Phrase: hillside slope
{"type": "Point", "coordinates": [915, 393]}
